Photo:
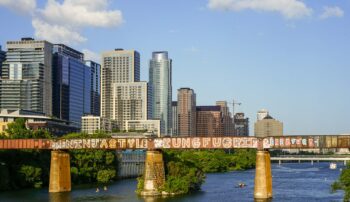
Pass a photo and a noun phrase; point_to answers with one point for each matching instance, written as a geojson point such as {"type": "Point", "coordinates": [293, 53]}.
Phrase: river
{"type": "Point", "coordinates": [291, 182]}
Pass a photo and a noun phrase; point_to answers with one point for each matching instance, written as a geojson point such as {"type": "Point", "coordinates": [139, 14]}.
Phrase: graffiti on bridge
{"type": "Point", "coordinates": [283, 142]}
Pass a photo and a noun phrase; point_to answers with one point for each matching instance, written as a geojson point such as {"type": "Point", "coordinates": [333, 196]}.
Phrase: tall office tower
{"type": "Point", "coordinates": [2, 58]}
{"type": "Point", "coordinates": [268, 127]}
{"type": "Point", "coordinates": [241, 125]}
{"type": "Point", "coordinates": [118, 66]}
{"type": "Point", "coordinates": [262, 114]}
{"type": "Point", "coordinates": [71, 84]}
{"type": "Point", "coordinates": [209, 121]}
{"type": "Point", "coordinates": [95, 99]}
{"type": "Point", "coordinates": [161, 90]}
{"type": "Point", "coordinates": [26, 81]}
{"type": "Point", "coordinates": [186, 111]}
{"type": "Point", "coordinates": [129, 102]}
{"type": "Point", "coordinates": [226, 117]}
{"type": "Point", "coordinates": [174, 131]}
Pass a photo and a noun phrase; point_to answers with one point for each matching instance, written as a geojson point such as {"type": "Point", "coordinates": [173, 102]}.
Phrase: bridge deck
{"type": "Point", "coordinates": [228, 142]}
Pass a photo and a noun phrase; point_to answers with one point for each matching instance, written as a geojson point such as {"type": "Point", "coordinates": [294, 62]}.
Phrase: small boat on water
{"type": "Point", "coordinates": [333, 166]}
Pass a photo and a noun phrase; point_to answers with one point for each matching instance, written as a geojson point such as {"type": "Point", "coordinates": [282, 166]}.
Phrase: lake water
{"type": "Point", "coordinates": [291, 182]}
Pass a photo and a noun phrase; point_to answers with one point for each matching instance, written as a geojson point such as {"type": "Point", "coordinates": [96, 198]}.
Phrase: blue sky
{"type": "Point", "coordinates": [288, 56]}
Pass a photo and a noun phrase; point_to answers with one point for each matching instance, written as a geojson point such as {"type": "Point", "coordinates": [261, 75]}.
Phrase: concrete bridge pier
{"type": "Point", "coordinates": [154, 174]}
{"type": "Point", "coordinates": [263, 177]}
{"type": "Point", "coordinates": [60, 180]}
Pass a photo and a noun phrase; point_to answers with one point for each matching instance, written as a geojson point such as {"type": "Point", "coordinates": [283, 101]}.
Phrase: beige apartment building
{"type": "Point", "coordinates": [118, 66]}
{"type": "Point", "coordinates": [129, 102]}
{"type": "Point", "coordinates": [151, 126]}
{"type": "Point", "coordinates": [267, 127]}
{"type": "Point", "coordinates": [91, 124]}
{"type": "Point", "coordinates": [186, 112]}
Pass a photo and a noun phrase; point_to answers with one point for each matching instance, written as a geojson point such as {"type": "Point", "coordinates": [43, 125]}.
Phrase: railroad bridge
{"type": "Point", "coordinates": [60, 178]}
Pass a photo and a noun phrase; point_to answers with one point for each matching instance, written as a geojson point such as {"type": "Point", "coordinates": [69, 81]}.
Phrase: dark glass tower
{"type": "Point", "coordinates": [71, 84]}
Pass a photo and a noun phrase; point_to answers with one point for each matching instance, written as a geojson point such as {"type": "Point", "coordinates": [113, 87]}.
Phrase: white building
{"type": "Point", "coordinates": [152, 126]}
{"type": "Point", "coordinates": [262, 114]}
{"type": "Point", "coordinates": [90, 124]}
{"type": "Point", "coordinates": [129, 102]}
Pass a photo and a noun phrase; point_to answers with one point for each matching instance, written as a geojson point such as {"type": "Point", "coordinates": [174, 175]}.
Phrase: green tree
{"type": "Point", "coordinates": [343, 183]}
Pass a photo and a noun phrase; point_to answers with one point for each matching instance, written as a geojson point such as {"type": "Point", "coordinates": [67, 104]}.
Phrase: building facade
{"type": "Point", "coordinates": [149, 126]}
{"type": "Point", "coordinates": [95, 82]}
{"type": "Point", "coordinates": [91, 124]}
{"type": "Point", "coordinates": [226, 118]}
{"type": "Point", "coordinates": [129, 102]}
{"type": "Point", "coordinates": [71, 84]}
{"type": "Point", "coordinates": [26, 76]}
{"type": "Point", "coordinates": [209, 121]}
{"type": "Point", "coordinates": [2, 58]}
{"type": "Point", "coordinates": [186, 112]}
{"type": "Point", "coordinates": [241, 125]}
{"type": "Point", "coordinates": [267, 127]}
{"type": "Point", "coordinates": [160, 86]}
{"type": "Point", "coordinates": [35, 121]}
{"type": "Point", "coordinates": [174, 130]}
{"type": "Point", "coordinates": [261, 114]}
{"type": "Point", "coordinates": [118, 66]}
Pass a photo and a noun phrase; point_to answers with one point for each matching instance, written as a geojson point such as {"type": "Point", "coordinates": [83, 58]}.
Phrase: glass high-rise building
{"type": "Point", "coordinates": [160, 86]}
{"type": "Point", "coordinates": [71, 84]}
{"type": "Point", "coordinates": [26, 77]}
{"type": "Point", "coordinates": [95, 86]}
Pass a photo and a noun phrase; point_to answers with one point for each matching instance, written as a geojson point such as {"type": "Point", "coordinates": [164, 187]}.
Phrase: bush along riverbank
{"type": "Point", "coordinates": [343, 183]}
{"type": "Point", "coordinates": [185, 170]}
{"type": "Point", "coordinates": [31, 168]}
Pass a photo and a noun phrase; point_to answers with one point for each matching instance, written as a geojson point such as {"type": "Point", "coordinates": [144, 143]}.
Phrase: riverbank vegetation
{"type": "Point", "coordinates": [343, 183]}
{"type": "Point", "coordinates": [31, 168]}
{"type": "Point", "coordinates": [185, 170]}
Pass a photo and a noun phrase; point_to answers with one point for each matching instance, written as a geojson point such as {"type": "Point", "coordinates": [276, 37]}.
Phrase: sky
{"type": "Point", "coordinates": [290, 57]}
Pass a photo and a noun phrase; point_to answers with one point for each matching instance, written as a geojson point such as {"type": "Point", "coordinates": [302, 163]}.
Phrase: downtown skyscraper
{"type": "Point", "coordinates": [26, 76]}
{"type": "Point", "coordinates": [71, 84]}
{"type": "Point", "coordinates": [2, 58]}
{"type": "Point", "coordinates": [186, 112]}
{"type": "Point", "coordinates": [160, 86]}
{"type": "Point", "coordinates": [123, 96]}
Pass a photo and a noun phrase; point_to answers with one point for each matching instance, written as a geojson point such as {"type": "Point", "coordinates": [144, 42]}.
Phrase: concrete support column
{"type": "Point", "coordinates": [60, 180]}
{"type": "Point", "coordinates": [279, 162]}
{"type": "Point", "coordinates": [154, 176]}
{"type": "Point", "coordinates": [263, 177]}
{"type": "Point", "coordinates": [312, 162]}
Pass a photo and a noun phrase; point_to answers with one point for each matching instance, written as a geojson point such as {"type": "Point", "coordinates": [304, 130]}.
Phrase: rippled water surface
{"type": "Point", "coordinates": [291, 182]}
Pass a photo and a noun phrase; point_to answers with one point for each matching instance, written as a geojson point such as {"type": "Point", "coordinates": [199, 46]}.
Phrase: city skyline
{"type": "Point", "coordinates": [294, 65]}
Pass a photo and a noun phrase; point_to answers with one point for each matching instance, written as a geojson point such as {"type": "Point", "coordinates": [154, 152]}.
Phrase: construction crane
{"type": "Point", "coordinates": [233, 113]}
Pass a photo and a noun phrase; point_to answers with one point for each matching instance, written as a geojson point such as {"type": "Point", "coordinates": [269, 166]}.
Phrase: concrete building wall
{"type": "Point", "coordinates": [152, 126]}
{"type": "Point", "coordinates": [118, 66]}
{"type": "Point", "coordinates": [129, 102]}
{"type": "Point", "coordinates": [268, 127]}
{"type": "Point", "coordinates": [174, 119]}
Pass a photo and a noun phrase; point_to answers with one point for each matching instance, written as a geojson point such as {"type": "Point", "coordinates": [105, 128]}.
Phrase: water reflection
{"type": "Point", "coordinates": [60, 197]}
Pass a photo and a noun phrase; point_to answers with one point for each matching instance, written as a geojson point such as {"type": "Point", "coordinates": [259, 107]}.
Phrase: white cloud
{"type": "Point", "coordinates": [56, 33]}
{"type": "Point", "coordinates": [63, 21]}
{"type": "Point", "coordinates": [81, 13]}
{"type": "Point", "coordinates": [20, 6]}
{"type": "Point", "coordinates": [90, 55]}
{"type": "Point", "coordinates": [331, 12]}
{"type": "Point", "coordinates": [288, 8]}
